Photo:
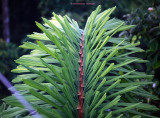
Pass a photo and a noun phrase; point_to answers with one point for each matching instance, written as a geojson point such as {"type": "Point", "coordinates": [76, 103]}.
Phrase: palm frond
{"type": "Point", "coordinates": [67, 76]}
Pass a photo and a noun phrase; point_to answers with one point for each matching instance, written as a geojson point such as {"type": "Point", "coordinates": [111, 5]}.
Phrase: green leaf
{"type": "Point", "coordinates": [41, 97]}
{"type": "Point", "coordinates": [46, 49]}
{"type": "Point", "coordinates": [125, 90]}
{"type": "Point", "coordinates": [34, 84]}
{"type": "Point", "coordinates": [125, 109]}
{"type": "Point", "coordinates": [110, 104]}
{"type": "Point", "coordinates": [109, 115]}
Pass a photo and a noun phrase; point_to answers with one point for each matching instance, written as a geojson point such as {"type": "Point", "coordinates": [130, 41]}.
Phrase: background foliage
{"type": "Point", "coordinates": [147, 31]}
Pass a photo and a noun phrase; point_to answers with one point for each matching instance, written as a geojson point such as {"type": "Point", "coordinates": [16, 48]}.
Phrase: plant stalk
{"type": "Point", "coordinates": [81, 85]}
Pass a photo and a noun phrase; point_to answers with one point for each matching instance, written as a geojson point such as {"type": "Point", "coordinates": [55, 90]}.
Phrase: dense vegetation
{"type": "Point", "coordinates": [56, 85]}
{"type": "Point", "coordinates": [24, 13]}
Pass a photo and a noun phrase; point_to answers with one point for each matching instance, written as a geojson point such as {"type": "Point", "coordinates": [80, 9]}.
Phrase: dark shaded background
{"type": "Point", "coordinates": [24, 13]}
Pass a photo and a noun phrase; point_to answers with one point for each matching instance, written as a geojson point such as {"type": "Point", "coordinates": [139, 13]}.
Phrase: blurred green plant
{"type": "Point", "coordinates": [147, 31]}
{"type": "Point", "coordinates": [8, 53]}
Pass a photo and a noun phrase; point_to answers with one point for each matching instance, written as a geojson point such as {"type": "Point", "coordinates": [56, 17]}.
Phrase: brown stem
{"type": "Point", "coordinates": [81, 85]}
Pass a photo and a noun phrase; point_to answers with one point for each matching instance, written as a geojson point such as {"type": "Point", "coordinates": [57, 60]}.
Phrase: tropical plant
{"type": "Point", "coordinates": [73, 73]}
